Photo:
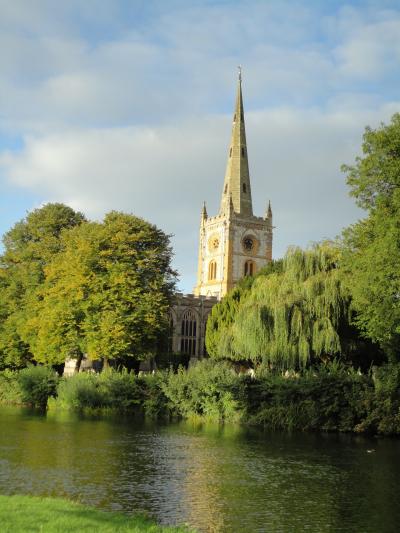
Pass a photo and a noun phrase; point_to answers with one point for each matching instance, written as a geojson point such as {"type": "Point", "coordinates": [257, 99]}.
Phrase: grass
{"type": "Point", "coordinates": [23, 514]}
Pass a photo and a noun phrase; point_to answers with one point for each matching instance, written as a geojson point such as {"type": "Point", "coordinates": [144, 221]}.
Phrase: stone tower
{"type": "Point", "coordinates": [234, 243]}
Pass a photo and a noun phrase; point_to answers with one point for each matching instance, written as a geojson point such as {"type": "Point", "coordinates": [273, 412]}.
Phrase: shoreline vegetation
{"type": "Point", "coordinates": [332, 397]}
{"type": "Point", "coordinates": [27, 514]}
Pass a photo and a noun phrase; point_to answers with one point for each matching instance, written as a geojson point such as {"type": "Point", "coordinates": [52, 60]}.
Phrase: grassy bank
{"type": "Point", "coordinates": [326, 398]}
{"type": "Point", "coordinates": [20, 514]}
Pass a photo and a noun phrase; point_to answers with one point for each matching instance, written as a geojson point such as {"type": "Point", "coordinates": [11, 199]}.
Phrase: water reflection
{"type": "Point", "coordinates": [217, 479]}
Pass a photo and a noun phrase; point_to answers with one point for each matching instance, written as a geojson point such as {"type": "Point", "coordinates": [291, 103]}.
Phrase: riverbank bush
{"type": "Point", "coordinates": [37, 384]}
{"type": "Point", "coordinates": [108, 390]}
{"type": "Point", "coordinates": [27, 514]}
{"type": "Point", "coordinates": [207, 390]}
{"type": "Point", "coordinates": [330, 397]}
{"type": "Point", "coordinates": [10, 389]}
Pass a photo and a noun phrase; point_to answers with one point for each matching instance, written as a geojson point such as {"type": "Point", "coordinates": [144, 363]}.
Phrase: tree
{"type": "Point", "coordinates": [219, 334]}
{"type": "Point", "coordinates": [29, 246]}
{"type": "Point", "coordinates": [289, 318]}
{"type": "Point", "coordinates": [106, 294]}
{"type": "Point", "coordinates": [371, 257]}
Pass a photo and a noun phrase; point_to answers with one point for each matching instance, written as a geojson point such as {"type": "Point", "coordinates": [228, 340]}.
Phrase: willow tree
{"type": "Point", "coordinates": [219, 334]}
{"type": "Point", "coordinates": [291, 318]}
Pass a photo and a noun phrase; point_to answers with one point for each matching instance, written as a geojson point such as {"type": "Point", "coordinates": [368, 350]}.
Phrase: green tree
{"type": "Point", "coordinates": [106, 294]}
{"type": "Point", "coordinates": [219, 333]}
{"type": "Point", "coordinates": [28, 247]}
{"type": "Point", "coordinates": [289, 318]}
{"type": "Point", "coordinates": [371, 257]}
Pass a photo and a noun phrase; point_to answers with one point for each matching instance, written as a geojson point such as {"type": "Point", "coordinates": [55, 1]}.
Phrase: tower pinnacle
{"type": "Point", "coordinates": [237, 176]}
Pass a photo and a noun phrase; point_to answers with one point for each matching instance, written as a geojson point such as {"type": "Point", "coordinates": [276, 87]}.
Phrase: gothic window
{"type": "Point", "coordinates": [249, 268]}
{"type": "Point", "coordinates": [242, 152]}
{"type": "Point", "coordinates": [212, 270]}
{"type": "Point", "coordinates": [226, 189]}
{"type": "Point", "coordinates": [230, 152]}
{"type": "Point", "coordinates": [244, 187]}
{"type": "Point", "coordinates": [170, 335]}
{"type": "Point", "coordinates": [188, 332]}
{"type": "Point", "coordinates": [234, 117]}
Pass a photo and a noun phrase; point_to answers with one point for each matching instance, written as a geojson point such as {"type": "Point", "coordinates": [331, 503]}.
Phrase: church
{"type": "Point", "coordinates": [232, 244]}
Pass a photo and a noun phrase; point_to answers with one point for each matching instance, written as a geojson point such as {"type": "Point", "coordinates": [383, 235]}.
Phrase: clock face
{"type": "Point", "coordinates": [248, 244]}
{"type": "Point", "coordinates": [215, 243]}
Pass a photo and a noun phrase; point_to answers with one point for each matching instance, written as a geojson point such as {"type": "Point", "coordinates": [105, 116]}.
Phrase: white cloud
{"type": "Point", "coordinates": [164, 173]}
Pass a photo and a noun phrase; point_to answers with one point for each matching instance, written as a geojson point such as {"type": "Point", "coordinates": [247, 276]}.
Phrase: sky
{"type": "Point", "coordinates": [127, 105]}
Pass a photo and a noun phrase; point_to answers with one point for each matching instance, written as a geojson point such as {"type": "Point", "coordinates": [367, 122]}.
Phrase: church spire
{"type": "Point", "coordinates": [237, 177]}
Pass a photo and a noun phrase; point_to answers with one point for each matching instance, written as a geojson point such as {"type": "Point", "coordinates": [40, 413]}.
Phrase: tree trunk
{"type": "Point", "coordinates": [78, 362]}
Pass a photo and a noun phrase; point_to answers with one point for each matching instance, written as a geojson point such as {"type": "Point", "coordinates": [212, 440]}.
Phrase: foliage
{"type": "Point", "coordinates": [289, 318]}
{"type": "Point", "coordinates": [108, 390]}
{"type": "Point", "coordinates": [37, 384]}
{"type": "Point", "coordinates": [71, 288]}
{"type": "Point", "coordinates": [27, 514]}
{"type": "Point", "coordinates": [219, 335]}
{"type": "Point", "coordinates": [28, 248]}
{"type": "Point", "coordinates": [327, 397]}
{"type": "Point", "coordinates": [81, 391]}
{"type": "Point", "coordinates": [155, 403]}
{"type": "Point", "coordinates": [372, 246]}
{"type": "Point", "coordinates": [10, 389]}
{"type": "Point", "coordinates": [112, 390]}
{"type": "Point", "coordinates": [107, 294]}
{"type": "Point", "coordinates": [208, 390]}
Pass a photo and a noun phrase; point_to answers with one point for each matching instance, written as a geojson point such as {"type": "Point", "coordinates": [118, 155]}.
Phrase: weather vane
{"type": "Point", "coordinates": [240, 72]}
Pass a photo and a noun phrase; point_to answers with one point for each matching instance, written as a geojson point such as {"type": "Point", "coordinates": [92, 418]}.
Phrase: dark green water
{"type": "Point", "coordinates": [217, 479]}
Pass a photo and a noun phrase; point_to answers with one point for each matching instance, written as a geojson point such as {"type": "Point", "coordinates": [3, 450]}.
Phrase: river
{"type": "Point", "coordinates": [217, 479]}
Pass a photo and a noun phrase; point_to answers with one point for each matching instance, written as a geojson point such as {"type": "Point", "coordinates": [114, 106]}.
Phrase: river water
{"type": "Point", "coordinates": [217, 479]}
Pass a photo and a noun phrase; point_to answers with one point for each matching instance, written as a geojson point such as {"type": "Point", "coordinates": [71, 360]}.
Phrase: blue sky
{"type": "Point", "coordinates": [127, 105]}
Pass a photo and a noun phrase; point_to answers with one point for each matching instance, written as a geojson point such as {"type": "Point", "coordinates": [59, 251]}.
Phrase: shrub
{"type": "Point", "coordinates": [37, 384]}
{"type": "Point", "coordinates": [121, 390]}
{"type": "Point", "coordinates": [108, 390]}
{"type": "Point", "coordinates": [10, 389]}
{"type": "Point", "coordinates": [155, 401]}
{"type": "Point", "coordinates": [208, 389]}
{"type": "Point", "coordinates": [81, 391]}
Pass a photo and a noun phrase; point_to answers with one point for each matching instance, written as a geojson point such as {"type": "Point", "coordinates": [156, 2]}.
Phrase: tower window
{"type": "Point", "coordinates": [234, 117]}
{"type": "Point", "coordinates": [230, 152]}
{"type": "Point", "coordinates": [226, 188]}
{"type": "Point", "coordinates": [249, 268]}
{"type": "Point", "coordinates": [212, 270]}
{"type": "Point", "coordinates": [242, 152]}
{"type": "Point", "coordinates": [244, 187]}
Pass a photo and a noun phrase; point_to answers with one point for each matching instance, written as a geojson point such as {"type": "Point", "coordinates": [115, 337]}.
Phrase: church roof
{"type": "Point", "coordinates": [237, 187]}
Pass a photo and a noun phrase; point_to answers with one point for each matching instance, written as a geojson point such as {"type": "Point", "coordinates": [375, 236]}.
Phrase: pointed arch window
{"type": "Point", "coordinates": [243, 152]}
{"type": "Point", "coordinates": [170, 347]}
{"type": "Point", "coordinates": [249, 268]}
{"type": "Point", "coordinates": [244, 187]}
{"type": "Point", "coordinates": [212, 270]}
{"type": "Point", "coordinates": [188, 333]}
{"type": "Point", "coordinates": [230, 152]}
